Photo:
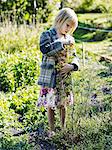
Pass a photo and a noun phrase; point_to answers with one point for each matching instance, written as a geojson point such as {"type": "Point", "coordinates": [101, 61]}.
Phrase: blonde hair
{"type": "Point", "coordinates": [66, 14]}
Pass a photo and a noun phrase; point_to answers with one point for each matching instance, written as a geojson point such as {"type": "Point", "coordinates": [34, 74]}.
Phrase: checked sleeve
{"type": "Point", "coordinates": [48, 47]}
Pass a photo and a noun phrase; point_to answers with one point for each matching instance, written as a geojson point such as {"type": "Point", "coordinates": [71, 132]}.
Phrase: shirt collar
{"type": "Point", "coordinates": [53, 30]}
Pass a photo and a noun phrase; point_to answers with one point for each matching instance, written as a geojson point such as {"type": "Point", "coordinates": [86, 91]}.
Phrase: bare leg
{"type": "Point", "coordinates": [63, 116]}
{"type": "Point", "coordinates": [50, 113]}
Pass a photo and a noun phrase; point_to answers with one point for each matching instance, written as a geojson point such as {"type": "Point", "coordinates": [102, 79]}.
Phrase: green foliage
{"type": "Point", "coordinates": [84, 6]}
{"type": "Point", "coordinates": [28, 11]}
{"type": "Point", "coordinates": [5, 84]}
{"type": "Point", "coordinates": [25, 72]}
{"type": "Point", "coordinates": [14, 143]}
{"type": "Point", "coordinates": [17, 66]}
{"type": "Point", "coordinates": [95, 21]}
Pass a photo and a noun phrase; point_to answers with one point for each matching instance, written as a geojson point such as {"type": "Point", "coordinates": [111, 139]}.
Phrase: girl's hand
{"type": "Point", "coordinates": [66, 69]}
{"type": "Point", "coordinates": [67, 41]}
{"type": "Point", "coordinates": [71, 41]}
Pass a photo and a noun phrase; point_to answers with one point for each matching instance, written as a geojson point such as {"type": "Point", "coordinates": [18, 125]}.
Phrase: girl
{"type": "Point", "coordinates": [56, 45]}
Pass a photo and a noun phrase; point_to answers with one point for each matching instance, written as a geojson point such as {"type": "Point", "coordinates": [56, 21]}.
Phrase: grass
{"type": "Point", "coordinates": [96, 20]}
{"type": "Point", "coordinates": [95, 41]}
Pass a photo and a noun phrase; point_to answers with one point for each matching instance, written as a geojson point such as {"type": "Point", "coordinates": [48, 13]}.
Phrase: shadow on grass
{"type": "Point", "coordinates": [89, 36]}
{"type": "Point", "coordinates": [104, 73]}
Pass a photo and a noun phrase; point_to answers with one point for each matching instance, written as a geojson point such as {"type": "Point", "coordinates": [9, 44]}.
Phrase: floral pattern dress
{"type": "Point", "coordinates": [62, 95]}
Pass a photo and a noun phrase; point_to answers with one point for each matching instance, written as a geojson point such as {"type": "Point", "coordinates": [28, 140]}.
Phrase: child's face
{"type": "Point", "coordinates": [66, 27]}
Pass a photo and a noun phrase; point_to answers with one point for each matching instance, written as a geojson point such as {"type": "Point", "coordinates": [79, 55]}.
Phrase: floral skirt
{"type": "Point", "coordinates": [61, 95]}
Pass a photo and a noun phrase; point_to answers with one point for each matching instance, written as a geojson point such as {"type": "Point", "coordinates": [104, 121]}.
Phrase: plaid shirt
{"type": "Point", "coordinates": [50, 49]}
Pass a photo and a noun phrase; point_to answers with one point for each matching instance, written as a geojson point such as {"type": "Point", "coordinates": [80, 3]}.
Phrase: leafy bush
{"type": "Point", "coordinates": [91, 6]}
{"type": "Point", "coordinates": [28, 11]}
{"type": "Point", "coordinates": [14, 143]}
{"type": "Point", "coordinates": [22, 73]}
{"type": "Point", "coordinates": [25, 72]}
{"type": "Point", "coordinates": [5, 84]}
